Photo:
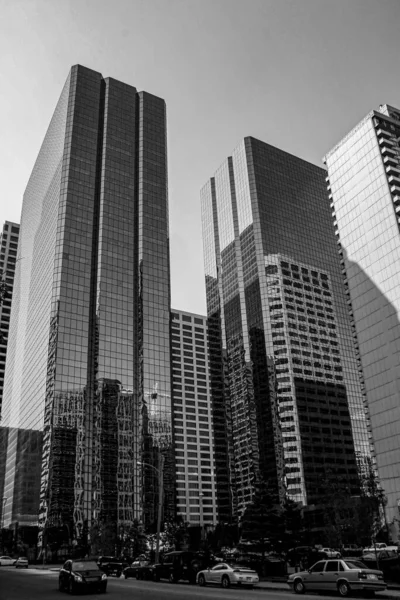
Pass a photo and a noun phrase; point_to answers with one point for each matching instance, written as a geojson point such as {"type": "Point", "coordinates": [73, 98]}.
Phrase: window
{"type": "Point", "coordinates": [332, 565]}
{"type": "Point", "coordinates": [318, 567]}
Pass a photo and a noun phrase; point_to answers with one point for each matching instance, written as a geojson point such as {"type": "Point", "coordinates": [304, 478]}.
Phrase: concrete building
{"type": "Point", "coordinates": [8, 260]}
{"type": "Point", "coordinates": [196, 498]}
{"type": "Point", "coordinates": [364, 187]}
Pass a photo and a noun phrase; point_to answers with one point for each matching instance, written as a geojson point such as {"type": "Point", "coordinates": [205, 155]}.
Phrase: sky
{"type": "Point", "coordinates": [297, 74]}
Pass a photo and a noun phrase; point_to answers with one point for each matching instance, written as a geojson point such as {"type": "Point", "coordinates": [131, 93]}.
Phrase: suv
{"type": "Point", "coordinates": [179, 565]}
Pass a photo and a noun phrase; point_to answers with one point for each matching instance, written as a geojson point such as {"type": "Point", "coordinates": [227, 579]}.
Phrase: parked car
{"type": "Point", "coordinates": [81, 575]}
{"type": "Point", "coordinates": [343, 576]}
{"type": "Point", "coordinates": [387, 561]}
{"type": "Point", "coordinates": [6, 561]}
{"type": "Point", "coordinates": [351, 550]}
{"type": "Point", "coordinates": [331, 553]}
{"type": "Point", "coordinates": [111, 566]}
{"type": "Point", "coordinates": [380, 546]}
{"type": "Point", "coordinates": [133, 570]}
{"type": "Point", "coordinates": [22, 562]}
{"type": "Point", "coordinates": [175, 566]}
{"type": "Point", "coordinates": [226, 575]}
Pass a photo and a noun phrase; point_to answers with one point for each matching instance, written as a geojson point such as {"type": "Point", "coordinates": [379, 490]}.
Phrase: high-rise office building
{"type": "Point", "coordinates": [364, 186]}
{"type": "Point", "coordinates": [89, 347]}
{"type": "Point", "coordinates": [8, 260]}
{"type": "Point", "coordinates": [276, 300]}
{"type": "Point", "coordinates": [196, 494]}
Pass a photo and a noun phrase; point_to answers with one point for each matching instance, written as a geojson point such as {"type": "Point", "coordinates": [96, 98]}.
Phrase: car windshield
{"type": "Point", "coordinates": [240, 567]}
{"type": "Point", "coordinates": [355, 564]}
{"type": "Point", "coordinates": [84, 565]}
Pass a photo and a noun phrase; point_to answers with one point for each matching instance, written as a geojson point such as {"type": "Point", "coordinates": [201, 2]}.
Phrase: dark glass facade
{"type": "Point", "coordinates": [89, 338]}
{"type": "Point", "coordinates": [265, 212]}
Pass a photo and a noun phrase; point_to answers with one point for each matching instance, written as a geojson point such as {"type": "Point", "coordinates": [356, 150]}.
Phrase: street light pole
{"type": "Point", "coordinates": [160, 472]}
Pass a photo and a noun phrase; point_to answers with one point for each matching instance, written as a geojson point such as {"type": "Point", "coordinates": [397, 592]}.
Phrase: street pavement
{"type": "Point", "coordinates": [41, 582]}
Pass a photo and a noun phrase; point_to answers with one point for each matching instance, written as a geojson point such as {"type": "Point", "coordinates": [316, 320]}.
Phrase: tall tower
{"type": "Point", "coordinates": [275, 295]}
{"type": "Point", "coordinates": [89, 353]}
{"type": "Point", "coordinates": [8, 260]}
{"type": "Point", "coordinates": [193, 422]}
{"type": "Point", "coordinates": [364, 187]}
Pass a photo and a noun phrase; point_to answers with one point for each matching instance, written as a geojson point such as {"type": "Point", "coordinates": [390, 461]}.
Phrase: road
{"type": "Point", "coordinates": [32, 584]}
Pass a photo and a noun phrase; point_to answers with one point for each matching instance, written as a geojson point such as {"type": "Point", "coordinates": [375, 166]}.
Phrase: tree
{"type": "Point", "coordinates": [103, 538]}
{"type": "Point", "coordinates": [262, 521]}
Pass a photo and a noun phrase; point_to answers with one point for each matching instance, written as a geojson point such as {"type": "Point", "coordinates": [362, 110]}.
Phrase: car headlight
{"type": "Point", "coordinates": [104, 576]}
{"type": "Point", "coordinates": [78, 578]}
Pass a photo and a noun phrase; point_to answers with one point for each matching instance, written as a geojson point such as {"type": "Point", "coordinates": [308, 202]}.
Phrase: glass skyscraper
{"type": "Point", "coordinates": [88, 366]}
{"type": "Point", "coordinates": [294, 407]}
{"type": "Point", "coordinates": [364, 187]}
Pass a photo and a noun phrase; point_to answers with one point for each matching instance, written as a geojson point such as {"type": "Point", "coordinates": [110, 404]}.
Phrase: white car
{"type": "Point", "coordinates": [226, 575]}
{"type": "Point", "coordinates": [21, 562]}
{"type": "Point", "coordinates": [330, 553]}
{"type": "Point", "coordinates": [6, 561]}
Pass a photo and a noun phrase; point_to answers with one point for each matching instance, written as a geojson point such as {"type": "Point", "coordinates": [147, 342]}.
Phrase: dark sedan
{"type": "Point", "coordinates": [133, 570]}
{"type": "Point", "coordinates": [81, 575]}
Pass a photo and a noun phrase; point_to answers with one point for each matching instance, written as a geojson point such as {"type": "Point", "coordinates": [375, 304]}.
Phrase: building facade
{"type": "Point", "coordinates": [276, 300]}
{"type": "Point", "coordinates": [8, 260]}
{"type": "Point", "coordinates": [364, 187]}
{"type": "Point", "coordinates": [196, 496]}
{"type": "Point", "coordinates": [89, 349]}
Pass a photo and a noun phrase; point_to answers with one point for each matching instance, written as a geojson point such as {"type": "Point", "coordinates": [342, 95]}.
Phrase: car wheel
{"type": "Point", "coordinates": [60, 586]}
{"type": "Point", "coordinates": [103, 589]}
{"type": "Point", "coordinates": [225, 582]}
{"type": "Point", "coordinates": [137, 576]}
{"type": "Point", "coordinates": [126, 576]}
{"type": "Point", "coordinates": [156, 577]}
{"type": "Point", "coordinates": [299, 586]}
{"type": "Point", "coordinates": [202, 580]}
{"type": "Point", "coordinates": [172, 578]}
{"type": "Point", "coordinates": [343, 588]}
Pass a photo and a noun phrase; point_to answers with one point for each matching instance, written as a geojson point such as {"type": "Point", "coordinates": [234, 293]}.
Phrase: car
{"type": "Point", "coordinates": [111, 566]}
{"type": "Point", "coordinates": [7, 561]}
{"type": "Point", "coordinates": [175, 566]}
{"type": "Point", "coordinates": [226, 574]}
{"type": "Point", "coordinates": [81, 575]}
{"type": "Point", "coordinates": [133, 570]}
{"type": "Point", "coordinates": [380, 546]}
{"type": "Point", "coordinates": [351, 550]}
{"type": "Point", "coordinates": [330, 553]}
{"type": "Point", "coordinates": [22, 562]}
{"type": "Point", "coordinates": [343, 576]}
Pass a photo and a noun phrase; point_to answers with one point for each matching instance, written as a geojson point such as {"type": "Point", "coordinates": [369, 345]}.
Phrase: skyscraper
{"type": "Point", "coordinates": [89, 348]}
{"type": "Point", "coordinates": [8, 260]}
{"type": "Point", "coordinates": [364, 186]}
{"type": "Point", "coordinates": [192, 421]}
{"type": "Point", "coordinates": [275, 297]}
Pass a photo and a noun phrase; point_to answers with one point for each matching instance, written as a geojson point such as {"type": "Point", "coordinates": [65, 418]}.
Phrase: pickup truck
{"type": "Point", "coordinates": [380, 546]}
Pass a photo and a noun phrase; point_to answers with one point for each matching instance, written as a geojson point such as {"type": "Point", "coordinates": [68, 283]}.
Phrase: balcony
{"type": "Point", "coordinates": [393, 169]}
{"type": "Point", "coordinates": [389, 160]}
{"type": "Point", "coordinates": [383, 132]}
{"type": "Point", "coordinates": [385, 145]}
